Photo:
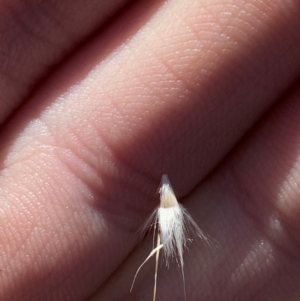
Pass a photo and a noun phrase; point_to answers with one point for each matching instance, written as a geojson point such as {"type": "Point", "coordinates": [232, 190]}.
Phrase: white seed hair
{"type": "Point", "coordinates": [172, 225]}
{"type": "Point", "coordinates": [175, 223]}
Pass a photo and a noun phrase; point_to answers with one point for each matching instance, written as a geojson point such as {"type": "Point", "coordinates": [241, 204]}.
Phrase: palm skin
{"type": "Point", "coordinates": [99, 100]}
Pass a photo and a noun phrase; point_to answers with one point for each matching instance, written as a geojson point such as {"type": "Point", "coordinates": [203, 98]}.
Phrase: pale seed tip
{"type": "Point", "coordinates": [167, 195]}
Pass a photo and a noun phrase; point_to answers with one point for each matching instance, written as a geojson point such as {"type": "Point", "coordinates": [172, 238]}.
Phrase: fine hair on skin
{"type": "Point", "coordinates": [172, 227]}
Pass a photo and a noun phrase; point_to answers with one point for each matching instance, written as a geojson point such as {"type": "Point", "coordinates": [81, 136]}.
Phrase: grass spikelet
{"type": "Point", "coordinates": [172, 227]}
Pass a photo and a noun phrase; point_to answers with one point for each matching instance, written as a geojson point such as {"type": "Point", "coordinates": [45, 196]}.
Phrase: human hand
{"type": "Point", "coordinates": [203, 91]}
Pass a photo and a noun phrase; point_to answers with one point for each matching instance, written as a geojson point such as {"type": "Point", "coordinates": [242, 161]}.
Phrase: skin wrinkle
{"type": "Point", "coordinates": [257, 213]}
{"type": "Point", "coordinates": [230, 290]}
{"type": "Point", "coordinates": [270, 296]}
{"type": "Point", "coordinates": [24, 24]}
{"type": "Point", "coordinates": [80, 163]}
{"type": "Point", "coordinates": [276, 248]}
{"type": "Point", "coordinates": [285, 232]}
{"type": "Point", "coordinates": [281, 150]}
{"type": "Point", "coordinates": [21, 38]}
{"type": "Point", "coordinates": [123, 175]}
{"type": "Point", "coordinates": [89, 180]}
{"type": "Point", "coordinates": [236, 295]}
{"type": "Point", "coordinates": [98, 191]}
{"type": "Point", "coordinates": [255, 273]}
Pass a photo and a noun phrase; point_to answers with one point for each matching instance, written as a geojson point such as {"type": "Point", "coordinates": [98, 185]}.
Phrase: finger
{"type": "Point", "coordinates": [87, 164]}
{"type": "Point", "coordinates": [211, 90]}
{"type": "Point", "coordinates": [250, 207]}
{"type": "Point", "coordinates": [255, 197]}
{"type": "Point", "coordinates": [37, 35]}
